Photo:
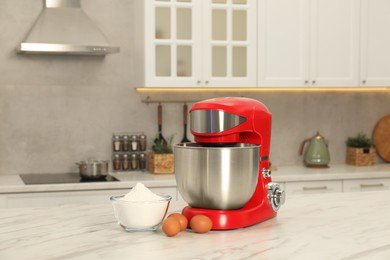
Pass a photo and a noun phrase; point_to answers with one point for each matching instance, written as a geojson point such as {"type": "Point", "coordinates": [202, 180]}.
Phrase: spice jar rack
{"type": "Point", "coordinates": [129, 151]}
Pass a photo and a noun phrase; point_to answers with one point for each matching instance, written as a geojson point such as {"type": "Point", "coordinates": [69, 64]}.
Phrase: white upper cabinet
{"type": "Point", "coordinates": [308, 43]}
{"type": "Point", "coordinates": [263, 43]}
{"type": "Point", "coordinates": [192, 43]}
{"type": "Point", "coordinates": [375, 43]}
{"type": "Point", "coordinates": [229, 43]}
{"type": "Point", "coordinates": [172, 43]}
{"type": "Point", "coordinates": [334, 43]}
{"type": "Point", "coordinates": [283, 46]}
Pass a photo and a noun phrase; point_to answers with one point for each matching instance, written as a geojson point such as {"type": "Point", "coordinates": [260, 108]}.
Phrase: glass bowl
{"type": "Point", "coordinates": [140, 215]}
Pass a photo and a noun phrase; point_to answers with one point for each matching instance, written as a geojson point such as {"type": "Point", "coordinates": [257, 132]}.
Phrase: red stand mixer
{"type": "Point", "coordinates": [230, 157]}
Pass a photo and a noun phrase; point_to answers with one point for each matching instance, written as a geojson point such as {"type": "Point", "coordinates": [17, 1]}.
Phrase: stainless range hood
{"type": "Point", "coordinates": [64, 28]}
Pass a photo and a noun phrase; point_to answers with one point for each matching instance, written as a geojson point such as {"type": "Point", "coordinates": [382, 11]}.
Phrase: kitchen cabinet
{"type": "Point", "coordinates": [49, 199]}
{"type": "Point", "coordinates": [313, 43]}
{"type": "Point", "coordinates": [310, 187]}
{"type": "Point", "coordinates": [366, 185]}
{"type": "Point", "coordinates": [342, 185]}
{"type": "Point", "coordinates": [189, 43]}
{"type": "Point", "coordinates": [375, 43]}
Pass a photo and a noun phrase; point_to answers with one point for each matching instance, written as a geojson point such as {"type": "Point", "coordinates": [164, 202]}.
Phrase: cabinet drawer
{"type": "Point", "coordinates": [306, 187]}
{"type": "Point", "coordinates": [366, 185]}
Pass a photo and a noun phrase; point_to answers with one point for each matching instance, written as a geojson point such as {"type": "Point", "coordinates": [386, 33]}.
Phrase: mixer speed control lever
{"type": "Point", "coordinates": [276, 195]}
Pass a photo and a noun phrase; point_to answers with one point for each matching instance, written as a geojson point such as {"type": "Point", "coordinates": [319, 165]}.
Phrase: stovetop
{"type": "Point", "coordinates": [59, 178]}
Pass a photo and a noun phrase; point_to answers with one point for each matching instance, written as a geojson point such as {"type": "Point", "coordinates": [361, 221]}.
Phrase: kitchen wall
{"type": "Point", "coordinates": [57, 110]}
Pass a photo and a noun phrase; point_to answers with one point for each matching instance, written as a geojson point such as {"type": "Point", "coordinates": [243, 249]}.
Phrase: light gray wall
{"type": "Point", "coordinates": [57, 110]}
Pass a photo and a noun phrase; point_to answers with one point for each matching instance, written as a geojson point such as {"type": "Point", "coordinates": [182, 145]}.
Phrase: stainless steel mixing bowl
{"type": "Point", "coordinates": [216, 177]}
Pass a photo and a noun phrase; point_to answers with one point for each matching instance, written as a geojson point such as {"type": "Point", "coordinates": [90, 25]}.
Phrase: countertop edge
{"type": "Point", "coordinates": [14, 184]}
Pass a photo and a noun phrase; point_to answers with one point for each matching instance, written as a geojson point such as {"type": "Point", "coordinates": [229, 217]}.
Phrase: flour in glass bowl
{"type": "Point", "coordinates": [140, 209]}
{"type": "Point", "coordinates": [141, 193]}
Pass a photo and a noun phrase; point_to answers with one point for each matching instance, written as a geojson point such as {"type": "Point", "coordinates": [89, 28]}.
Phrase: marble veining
{"type": "Point", "coordinates": [321, 226]}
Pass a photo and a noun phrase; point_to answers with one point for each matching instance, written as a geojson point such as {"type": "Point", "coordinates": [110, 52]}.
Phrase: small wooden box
{"type": "Point", "coordinates": [161, 163]}
{"type": "Point", "coordinates": [360, 156]}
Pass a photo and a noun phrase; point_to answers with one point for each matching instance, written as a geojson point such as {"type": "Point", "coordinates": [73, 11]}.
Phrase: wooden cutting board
{"type": "Point", "coordinates": [381, 138]}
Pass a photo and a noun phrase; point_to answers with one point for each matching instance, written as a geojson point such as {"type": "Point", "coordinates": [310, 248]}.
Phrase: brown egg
{"type": "Point", "coordinates": [201, 224]}
{"type": "Point", "coordinates": [171, 227]}
{"type": "Point", "coordinates": [182, 220]}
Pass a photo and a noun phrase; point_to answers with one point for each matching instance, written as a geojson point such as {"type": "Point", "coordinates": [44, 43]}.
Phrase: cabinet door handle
{"type": "Point", "coordinates": [315, 188]}
{"type": "Point", "coordinates": [374, 185]}
{"type": "Point", "coordinates": [306, 81]}
{"type": "Point", "coordinates": [364, 82]}
{"type": "Point", "coordinates": [313, 82]}
{"type": "Point", "coordinates": [207, 82]}
{"type": "Point", "coordinates": [198, 82]}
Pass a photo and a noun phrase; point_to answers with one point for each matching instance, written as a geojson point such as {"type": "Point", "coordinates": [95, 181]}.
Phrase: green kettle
{"type": "Point", "coordinates": [317, 153]}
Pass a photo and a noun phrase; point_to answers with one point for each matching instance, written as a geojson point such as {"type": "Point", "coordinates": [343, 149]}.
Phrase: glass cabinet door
{"type": "Point", "coordinates": [191, 43]}
{"type": "Point", "coordinates": [173, 43]}
{"type": "Point", "coordinates": [230, 43]}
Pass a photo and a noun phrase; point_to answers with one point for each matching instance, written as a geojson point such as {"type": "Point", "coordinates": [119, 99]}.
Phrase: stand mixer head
{"type": "Point", "coordinates": [223, 129]}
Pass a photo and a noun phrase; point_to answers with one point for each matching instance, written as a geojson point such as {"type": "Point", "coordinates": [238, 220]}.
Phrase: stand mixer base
{"type": "Point", "coordinates": [232, 219]}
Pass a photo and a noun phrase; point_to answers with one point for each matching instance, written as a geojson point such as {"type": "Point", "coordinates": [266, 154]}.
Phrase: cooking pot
{"type": "Point", "coordinates": [216, 177]}
{"type": "Point", "coordinates": [92, 168]}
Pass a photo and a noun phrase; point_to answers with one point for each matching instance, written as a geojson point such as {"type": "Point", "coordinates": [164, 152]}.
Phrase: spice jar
{"type": "Point", "coordinates": [116, 162]}
{"type": "Point", "coordinates": [142, 161]}
{"type": "Point", "coordinates": [133, 161]}
{"type": "Point", "coordinates": [142, 142]}
{"type": "Point", "coordinates": [125, 143]}
{"type": "Point", "coordinates": [134, 143]}
{"type": "Point", "coordinates": [116, 143]}
{"type": "Point", "coordinates": [125, 162]}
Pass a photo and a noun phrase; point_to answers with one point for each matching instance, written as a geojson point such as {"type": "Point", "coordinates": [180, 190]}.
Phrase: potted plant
{"type": "Point", "coordinates": [161, 159]}
{"type": "Point", "coordinates": [360, 150]}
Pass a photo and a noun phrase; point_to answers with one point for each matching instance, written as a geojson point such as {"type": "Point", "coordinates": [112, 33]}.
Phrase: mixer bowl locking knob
{"type": "Point", "coordinates": [276, 196]}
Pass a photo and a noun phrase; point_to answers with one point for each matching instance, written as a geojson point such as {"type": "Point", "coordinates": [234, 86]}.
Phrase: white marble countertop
{"type": "Point", "coordinates": [321, 226]}
{"type": "Point", "coordinates": [14, 184]}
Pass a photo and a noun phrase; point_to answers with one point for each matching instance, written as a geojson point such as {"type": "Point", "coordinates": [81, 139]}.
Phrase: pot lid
{"type": "Point", "coordinates": [91, 161]}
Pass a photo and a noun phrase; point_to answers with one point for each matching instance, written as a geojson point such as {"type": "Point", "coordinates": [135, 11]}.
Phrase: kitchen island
{"type": "Point", "coordinates": [354, 225]}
